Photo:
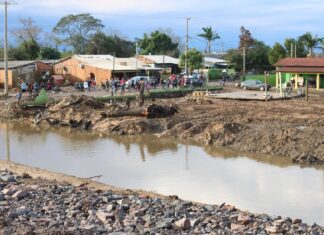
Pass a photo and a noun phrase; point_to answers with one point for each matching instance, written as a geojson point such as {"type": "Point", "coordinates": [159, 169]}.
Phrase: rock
{"type": "Point", "coordinates": [237, 227]}
{"type": "Point", "coordinates": [20, 194]}
{"type": "Point", "coordinates": [164, 224]}
{"type": "Point", "coordinates": [297, 221]}
{"type": "Point", "coordinates": [104, 217]}
{"type": "Point", "coordinates": [272, 229]}
{"type": "Point", "coordinates": [183, 224]}
{"type": "Point", "coordinates": [244, 219]}
{"type": "Point", "coordinates": [2, 197]}
{"type": "Point", "coordinates": [8, 178]}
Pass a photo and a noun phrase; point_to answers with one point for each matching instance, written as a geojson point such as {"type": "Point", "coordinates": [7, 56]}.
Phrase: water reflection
{"type": "Point", "coordinates": [254, 182]}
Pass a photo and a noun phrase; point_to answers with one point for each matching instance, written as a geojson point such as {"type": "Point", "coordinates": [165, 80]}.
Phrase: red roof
{"type": "Point", "coordinates": [301, 70]}
{"type": "Point", "coordinates": [300, 62]}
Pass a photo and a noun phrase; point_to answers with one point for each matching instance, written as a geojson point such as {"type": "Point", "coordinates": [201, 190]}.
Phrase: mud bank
{"type": "Point", "coordinates": [289, 128]}
{"type": "Point", "coordinates": [71, 205]}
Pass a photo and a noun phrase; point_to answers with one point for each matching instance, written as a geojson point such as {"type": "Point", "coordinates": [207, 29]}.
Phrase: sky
{"type": "Point", "coordinates": [268, 20]}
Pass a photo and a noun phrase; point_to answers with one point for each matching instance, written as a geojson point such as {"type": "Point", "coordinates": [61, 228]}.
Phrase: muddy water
{"type": "Point", "coordinates": [260, 184]}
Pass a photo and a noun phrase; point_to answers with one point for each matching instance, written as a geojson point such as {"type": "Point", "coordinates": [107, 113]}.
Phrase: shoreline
{"type": "Point", "coordinates": [35, 207]}
{"type": "Point", "coordinates": [290, 129]}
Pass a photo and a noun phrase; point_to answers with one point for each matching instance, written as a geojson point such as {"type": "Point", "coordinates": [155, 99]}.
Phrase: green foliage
{"type": "Point", "coordinates": [276, 53]}
{"type": "Point", "coordinates": [256, 57]}
{"type": "Point", "coordinates": [76, 30]}
{"type": "Point", "coordinates": [158, 43]}
{"type": "Point", "coordinates": [311, 42]}
{"type": "Point", "coordinates": [300, 48]}
{"type": "Point", "coordinates": [209, 35]}
{"type": "Point", "coordinates": [195, 59]}
{"type": "Point", "coordinates": [46, 53]}
{"type": "Point", "coordinates": [27, 50]}
{"type": "Point", "coordinates": [100, 43]}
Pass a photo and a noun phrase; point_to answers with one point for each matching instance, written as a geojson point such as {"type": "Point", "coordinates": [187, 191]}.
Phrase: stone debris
{"type": "Point", "coordinates": [35, 206]}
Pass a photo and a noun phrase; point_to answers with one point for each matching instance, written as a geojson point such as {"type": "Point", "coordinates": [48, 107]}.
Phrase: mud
{"type": "Point", "coordinates": [289, 128]}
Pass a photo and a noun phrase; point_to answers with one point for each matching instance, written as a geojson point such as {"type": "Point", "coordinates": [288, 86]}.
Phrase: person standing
{"type": "Point", "coordinates": [141, 92]}
{"type": "Point", "coordinates": [85, 85]}
{"type": "Point", "coordinates": [113, 86]}
{"type": "Point", "coordinates": [122, 86]}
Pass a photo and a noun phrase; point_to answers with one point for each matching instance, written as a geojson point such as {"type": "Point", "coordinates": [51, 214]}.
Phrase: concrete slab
{"type": "Point", "coordinates": [249, 95]}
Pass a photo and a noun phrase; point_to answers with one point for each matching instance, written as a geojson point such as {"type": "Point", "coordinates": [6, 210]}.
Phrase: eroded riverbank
{"type": "Point", "coordinates": [40, 206]}
{"type": "Point", "coordinates": [290, 128]}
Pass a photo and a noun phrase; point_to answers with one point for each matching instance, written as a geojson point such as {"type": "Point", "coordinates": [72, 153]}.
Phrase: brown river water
{"type": "Point", "coordinates": [257, 183]}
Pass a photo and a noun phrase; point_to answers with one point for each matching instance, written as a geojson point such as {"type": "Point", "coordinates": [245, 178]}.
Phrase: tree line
{"type": "Point", "coordinates": [83, 34]}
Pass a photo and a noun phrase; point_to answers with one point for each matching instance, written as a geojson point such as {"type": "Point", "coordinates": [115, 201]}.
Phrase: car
{"type": "Point", "coordinates": [254, 85]}
{"type": "Point", "coordinates": [136, 79]}
{"type": "Point", "coordinates": [196, 82]}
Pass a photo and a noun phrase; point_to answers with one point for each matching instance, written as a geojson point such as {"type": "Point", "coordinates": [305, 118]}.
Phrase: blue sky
{"type": "Point", "coordinates": [269, 21]}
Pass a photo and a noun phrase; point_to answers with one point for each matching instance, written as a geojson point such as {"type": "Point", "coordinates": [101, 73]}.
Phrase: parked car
{"type": "Point", "coordinates": [136, 79]}
{"type": "Point", "coordinates": [196, 82]}
{"type": "Point", "coordinates": [254, 85]}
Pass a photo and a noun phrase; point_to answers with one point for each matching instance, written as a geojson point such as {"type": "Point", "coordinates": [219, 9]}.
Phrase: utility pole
{"type": "Point", "coordinates": [295, 49]}
{"type": "Point", "coordinates": [291, 50]}
{"type": "Point", "coordinates": [244, 61]}
{"type": "Point", "coordinates": [187, 45]}
{"type": "Point", "coordinates": [6, 88]}
{"type": "Point", "coordinates": [136, 45]}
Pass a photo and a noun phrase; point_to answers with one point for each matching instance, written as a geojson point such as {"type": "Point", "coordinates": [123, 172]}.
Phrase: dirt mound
{"type": "Point", "coordinates": [79, 103]}
{"type": "Point", "coordinates": [222, 134]}
{"type": "Point", "coordinates": [12, 111]}
{"type": "Point", "coordinates": [161, 111]}
{"type": "Point", "coordinates": [200, 101]}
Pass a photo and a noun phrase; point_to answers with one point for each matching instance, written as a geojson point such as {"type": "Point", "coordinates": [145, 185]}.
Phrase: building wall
{"type": "Point", "coordinates": [75, 71]}
{"type": "Point", "coordinates": [41, 69]}
{"type": "Point", "coordinates": [10, 83]}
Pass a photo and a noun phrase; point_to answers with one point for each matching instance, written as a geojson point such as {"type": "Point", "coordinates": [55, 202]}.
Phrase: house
{"type": "Point", "coordinates": [300, 70]}
{"type": "Point", "coordinates": [98, 67]}
{"type": "Point", "coordinates": [27, 71]}
{"type": "Point", "coordinates": [211, 62]}
{"type": "Point", "coordinates": [164, 62]}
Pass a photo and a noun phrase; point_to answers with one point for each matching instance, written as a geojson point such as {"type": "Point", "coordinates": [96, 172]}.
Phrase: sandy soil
{"type": "Point", "coordinates": [288, 128]}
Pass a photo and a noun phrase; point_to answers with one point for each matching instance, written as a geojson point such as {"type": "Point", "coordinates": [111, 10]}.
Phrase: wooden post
{"type": "Point", "coordinates": [306, 89]}
{"type": "Point", "coordinates": [277, 80]}
{"type": "Point", "coordinates": [296, 81]}
{"type": "Point", "coordinates": [318, 81]}
{"type": "Point", "coordinates": [280, 84]}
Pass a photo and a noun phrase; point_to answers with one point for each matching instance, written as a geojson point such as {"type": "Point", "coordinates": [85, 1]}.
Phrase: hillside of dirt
{"type": "Point", "coordinates": [288, 128]}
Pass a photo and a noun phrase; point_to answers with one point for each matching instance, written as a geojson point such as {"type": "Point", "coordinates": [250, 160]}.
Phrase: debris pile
{"type": "Point", "coordinates": [79, 103]}
{"type": "Point", "coordinates": [160, 111]}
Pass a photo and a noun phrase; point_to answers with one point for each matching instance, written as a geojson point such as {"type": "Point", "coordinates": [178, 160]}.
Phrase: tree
{"type": "Point", "coordinates": [28, 32]}
{"type": "Point", "coordinates": [100, 43]}
{"type": "Point", "coordinates": [290, 45]}
{"type": "Point", "coordinates": [276, 53]}
{"type": "Point", "coordinates": [77, 29]}
{"type": "Point", "coordinates": [256, 57]}
{"type": "Point", "coordinates": [246, 39]}
{"type": "Point", "coordinates": [158, 43]}
{"type": "Point", "coordinates": [47, 53]}
{"type": "Point", "coordinates": [195, 59]}
{"type": "Point", "coordinates": [209, 35]}
{"type": "Point", "coordinates": [311, 42]}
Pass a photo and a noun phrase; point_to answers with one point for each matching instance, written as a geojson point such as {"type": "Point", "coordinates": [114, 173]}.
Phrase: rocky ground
{"type": "Point", "coordinates": [289, 128]}
{"type": "Point", "coordinates": [37, 206]}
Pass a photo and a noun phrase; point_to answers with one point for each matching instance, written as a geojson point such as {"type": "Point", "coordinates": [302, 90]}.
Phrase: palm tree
{"type": "Point", "coordinates": [209, 35]}
{"type": "Point", "coordinates": [311, 42]}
